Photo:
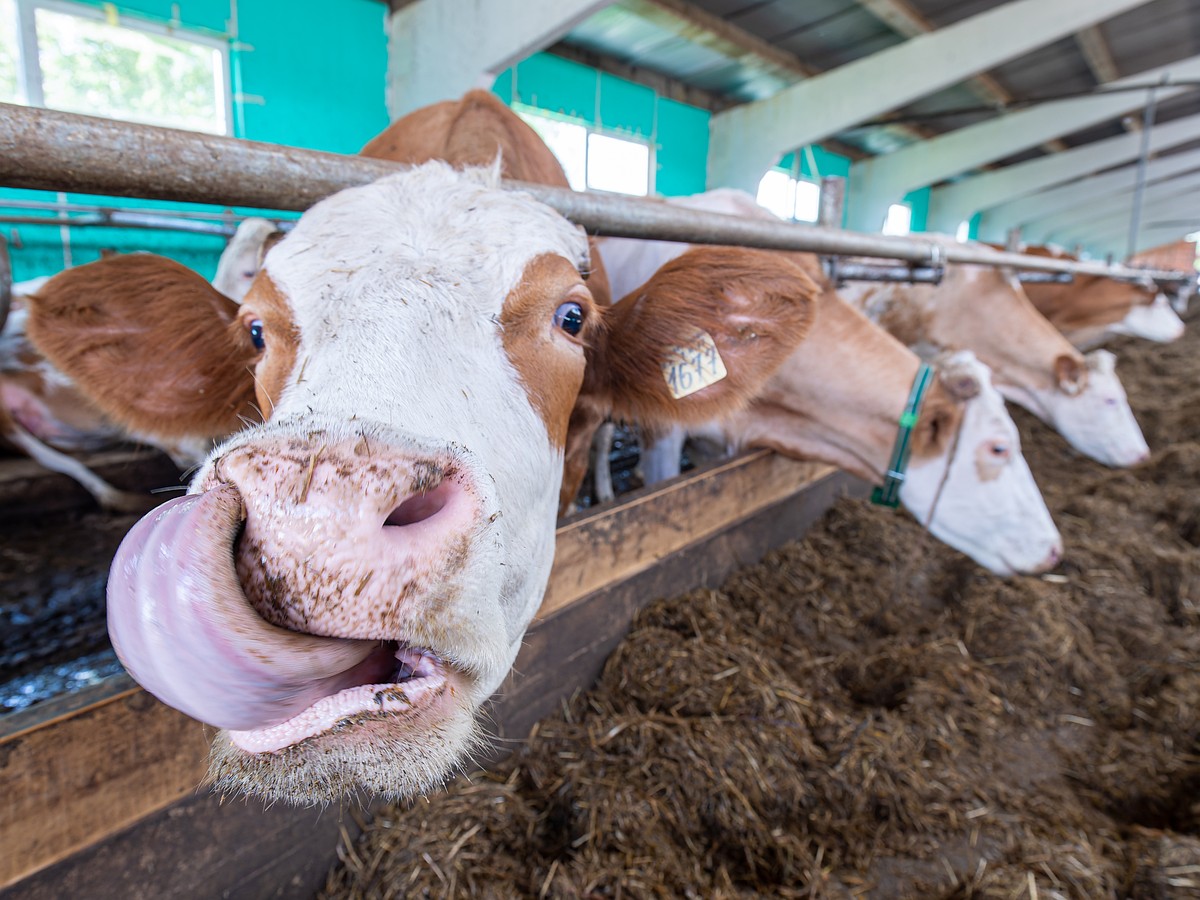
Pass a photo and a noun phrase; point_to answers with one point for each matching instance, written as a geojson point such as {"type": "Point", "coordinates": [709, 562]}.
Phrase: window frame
{"type": "Point", "coordinates": [29, 71]}
{"type": "Point", "coordinates": [524, 109]}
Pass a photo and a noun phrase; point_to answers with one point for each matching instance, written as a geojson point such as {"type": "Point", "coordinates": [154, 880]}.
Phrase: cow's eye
{"type": "Point", "coordinates": [569, 317]}
{"type": "Point", "coordinates": [1000, 450]}
{"type": "Point", "coordinates": [256, 334]}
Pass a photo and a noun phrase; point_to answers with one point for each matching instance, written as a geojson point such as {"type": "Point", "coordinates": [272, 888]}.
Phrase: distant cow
{"type": "Point", "coordinates": [1092, 308]}
{"type": "Point", "coordinates": [984, 309]}
{"type": "Point", "coordinates": [838, 398]}
{"type": "Point", "coordinates": [46, 417]}
{"type": "Point", "coordinates": [349, 581]}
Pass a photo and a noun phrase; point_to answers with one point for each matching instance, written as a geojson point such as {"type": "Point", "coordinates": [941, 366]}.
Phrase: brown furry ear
{"type": "Point", "coordinates": [743, 310]}
{"type": "Point", "coordinates": [151, 343]}
{"type": "Point", "coordinates": [941, 414]}
{"type": "Point", "coordinates": [1070, 373]}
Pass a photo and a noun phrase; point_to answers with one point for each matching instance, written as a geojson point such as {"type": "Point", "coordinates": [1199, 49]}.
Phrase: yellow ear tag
{"type": "Point", "coordinates": [693, 366]}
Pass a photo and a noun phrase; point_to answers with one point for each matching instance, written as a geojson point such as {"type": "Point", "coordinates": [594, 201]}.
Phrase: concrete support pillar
{"type": "Point", "coordinates": [1074, 193]}
{"type": "Point", "coordinates": [439, 49]}
{"type": "Point", "coordinates": [748, 139]}
{"type": "Point", "coordinates": [878, 182]}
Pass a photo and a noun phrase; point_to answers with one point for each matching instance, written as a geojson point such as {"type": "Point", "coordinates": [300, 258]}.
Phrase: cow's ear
{"type": "Point", "coordinates": [1070, 373]}
{"type": "Point", "coordinates": [939, 420]}
{"type": "Point", "coordinates": [702, 336]}
{"type": "Point", "coordinates": [151, 344]}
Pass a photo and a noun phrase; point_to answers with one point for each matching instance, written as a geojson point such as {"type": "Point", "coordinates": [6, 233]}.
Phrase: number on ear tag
{"type": "Point", "coordinates": [693, 366]}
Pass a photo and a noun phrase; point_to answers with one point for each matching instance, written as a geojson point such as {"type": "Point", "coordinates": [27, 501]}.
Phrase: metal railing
{"type": "Point", "coordinates": [50, 150]}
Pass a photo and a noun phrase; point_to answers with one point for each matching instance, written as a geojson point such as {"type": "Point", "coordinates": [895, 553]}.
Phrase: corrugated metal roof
{"type": "Point", "coordinates": [820, 35]}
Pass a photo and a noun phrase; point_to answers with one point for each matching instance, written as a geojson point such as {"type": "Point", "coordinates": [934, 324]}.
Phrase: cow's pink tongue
{"type": "Point", "coordinates": [184, 629]}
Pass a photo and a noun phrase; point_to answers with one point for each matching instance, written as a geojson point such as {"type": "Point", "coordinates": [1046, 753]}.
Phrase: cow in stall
{"type": "Point", "coordinates": [839, 397]}
{"type": "Point", "coordinates": [1092, 308]}
{"type": "Point", "coordinates": [44, 415]}
{"type": "Point", "coordinates": [984, 309]}
{"type": "Point", "coordinates": [350, 580]}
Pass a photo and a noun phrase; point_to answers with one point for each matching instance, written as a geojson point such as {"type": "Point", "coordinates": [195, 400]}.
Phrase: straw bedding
{"type": "Point", "coordinates": [868, 713]}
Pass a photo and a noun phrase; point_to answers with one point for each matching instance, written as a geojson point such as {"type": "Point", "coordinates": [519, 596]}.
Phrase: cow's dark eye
{"type": "Point", "coordinates": [256, 334]}
{"type": "Point", "coordinates": [569, 317]}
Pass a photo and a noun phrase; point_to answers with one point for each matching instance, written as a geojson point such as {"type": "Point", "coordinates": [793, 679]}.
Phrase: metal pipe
{"type": "Point", "coordinates": [116, 219]}
{"type": "Point", "coordinates": [50, 150]}
{"type": "Point", "coordinates": [1139, 184]}
{"type": "Point", "coordinates": [1045, 277]}
{"type": "Point", "coordinates": [223, 215]}
{"type": "Point", "coordinates": [910, 274]}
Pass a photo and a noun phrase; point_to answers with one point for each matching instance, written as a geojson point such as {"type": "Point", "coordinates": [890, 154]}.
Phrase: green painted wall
{"type": "Point", "coordinates": [678, 132]}
{"type": "Point", "coordinates": [919, 201]}
{"type": "Point", "coordinates": [311, 78]}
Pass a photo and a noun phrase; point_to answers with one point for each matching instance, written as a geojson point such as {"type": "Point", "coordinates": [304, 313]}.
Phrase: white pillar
{"type": "Point", "coordinates": [746, 140]}
{"type": "Point", "coordinates": [998, 219]}
{"type": "Point", "coordinates": [439, 49]}
{"type": "Point", "coordinates": [875, 183]}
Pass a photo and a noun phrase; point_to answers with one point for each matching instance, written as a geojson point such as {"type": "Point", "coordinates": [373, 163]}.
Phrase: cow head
{"type": "Point", "coordinates": [1151, 316]}
{"type": "Point", "coordinates": [968, 480]}
{"type": "Point", "coordinates": [1086, 403]}
{"type": "Point", "coordinates": [350, 579]}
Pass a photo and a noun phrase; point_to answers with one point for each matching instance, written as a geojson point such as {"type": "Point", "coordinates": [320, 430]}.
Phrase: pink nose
{"type": "Point", "coordinates": [344, 538]}
{"type": "Point", "coordinates": [1053, 559]}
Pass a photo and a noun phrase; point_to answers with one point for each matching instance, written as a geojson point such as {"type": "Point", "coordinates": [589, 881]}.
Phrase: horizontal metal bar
{"type": "Point", "coordinates": [124, 220]}
{"type": "Point", "coordinates": [911, 274]}
{"type": "Point", "coordinates": [50, 150]}
{"type": "Point", "coordinates": [1045, 277]}
{"type": "Point", "coordinates": [223, 215]}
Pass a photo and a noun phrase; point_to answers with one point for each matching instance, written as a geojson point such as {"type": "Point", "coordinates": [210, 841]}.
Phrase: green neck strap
{"type": "Point", "coordinates": [888, 494]}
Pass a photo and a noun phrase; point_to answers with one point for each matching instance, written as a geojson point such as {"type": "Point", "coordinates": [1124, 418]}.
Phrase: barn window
{"type": "Point", "coordinates": [87, 60]}
{"type": "Point", "coordinates": [593, 159]}
{"type": "Point", "coordinates": [789, 198]}
{"type": "Point", "coordinates": [899, 219]}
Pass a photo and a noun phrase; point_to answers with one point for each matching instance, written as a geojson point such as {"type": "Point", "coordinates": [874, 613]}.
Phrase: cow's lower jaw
{"type": "Point", "coordinates": [417, 682]}
{"type": "Point", "coordinates": [393, 754]}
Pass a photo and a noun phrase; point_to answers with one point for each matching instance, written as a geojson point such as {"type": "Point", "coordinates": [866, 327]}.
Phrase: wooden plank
{"type": "Point", "coordinates": [90, 773]}
{"type": "Point", "coordinates": [614, 543]}
{"type": "Point", "coordinates": [74, 774]}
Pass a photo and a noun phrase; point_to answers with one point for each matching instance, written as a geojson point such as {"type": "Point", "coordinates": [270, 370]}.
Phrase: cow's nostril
{"type": "Point", "coordinates": [420, 507]}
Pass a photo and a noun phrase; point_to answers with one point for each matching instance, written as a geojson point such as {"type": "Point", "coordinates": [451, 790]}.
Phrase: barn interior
{"type": "Point", "coordinates": [854, 754]}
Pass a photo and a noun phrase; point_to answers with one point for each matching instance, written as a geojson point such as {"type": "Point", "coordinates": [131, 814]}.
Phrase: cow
{"type": "Point", "coordinates": [349, 580]}
{"type": "Point", "coordinates": [1092, 308]}
{"type": "Point", "coordinates": [240, 260]}
{"type": "Point", "coordinates": [838, 398]}
{"type": "Point", "coordinates": [45, 416]}
{"type": "Point", "coordinates": [984, 309]}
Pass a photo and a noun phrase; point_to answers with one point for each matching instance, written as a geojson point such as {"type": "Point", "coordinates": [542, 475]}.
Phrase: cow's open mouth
{"type": "Point", "coordinates": [398, 680]}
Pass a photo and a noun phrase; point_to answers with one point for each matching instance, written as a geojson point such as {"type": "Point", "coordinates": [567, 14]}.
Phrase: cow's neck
{"type": "Point", "coordinates": [979, 310]}
{"type": "Point", "coordinates": [837, 398]}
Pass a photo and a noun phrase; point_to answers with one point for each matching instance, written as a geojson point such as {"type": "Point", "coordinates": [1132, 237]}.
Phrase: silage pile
{"type": "Point", "coordinates": [869, 713]}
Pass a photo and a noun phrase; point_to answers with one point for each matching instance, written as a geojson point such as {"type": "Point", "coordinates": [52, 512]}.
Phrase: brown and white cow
{"type": "Point", "coordinates": [1092, 308]}
{"type": "Point", "coordinates": [350, 580]}
{"type": "Point", "coordinates": [45, 416]}
{"type": "Point", "coordinates": [984, 309]}
{"type": "Point", "coordinates": [838, 398]}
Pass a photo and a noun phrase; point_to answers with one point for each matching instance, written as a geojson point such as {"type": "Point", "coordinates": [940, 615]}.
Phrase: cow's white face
{"type": "Point", "coordinates": [978, 494]}
{"type": "Point", "coordinates": [422, 348]}
{"type": "Point", "coordinates": [1154, 321]}
{"type": "Point", "coordinates": [1087, 405]}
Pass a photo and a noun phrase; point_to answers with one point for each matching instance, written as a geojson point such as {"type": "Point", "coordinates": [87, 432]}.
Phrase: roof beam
{"type": "Point", "coordinates": [1016, 213]}
{"type": "Point", "coordinates": [748, 139]}
{"type": "Point", "coordinates": [906, 21]}
{"type": "Point", "coordinates": [1107, 207]}
{"type": "Point", "coordinates": [428, 60]}
{"type": "Point", "coordinates": [1098, 55]}
{"type": "Point", "coordinates": [884, 179]}
{"type": "Point", "coordinates": [697, 26]}
{"type": "Point", "coordinates": [1114, 230]}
